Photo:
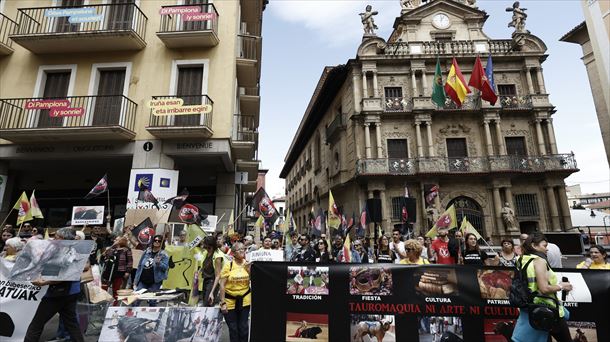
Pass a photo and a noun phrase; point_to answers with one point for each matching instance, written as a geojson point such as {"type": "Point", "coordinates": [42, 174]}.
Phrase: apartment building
{"type": "Point", "coordinates": [372, 131]}
{"type": "Point", "coordinates": [162, 93]}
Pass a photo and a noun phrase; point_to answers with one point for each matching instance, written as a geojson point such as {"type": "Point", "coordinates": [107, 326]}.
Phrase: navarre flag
{"type": "Point", "coordinates": [479, 80]}
{"type": "Point", "coordinates": [36, 212]}
{"type": "Point", "coordinates": [263, 203]}
{"type": "Point", "coordinates": [489, 71]}
{"type": "Point", "coordinates": [430, 192]}
{"type": "Point", "coordinates": [466, 227]}
{"type": "Point", "coordinates": [334, 216]}
{"type": "Point", "coordinates": [456, 87]}
{"type": "Point", "coordinates": [99, 188]}
{"type": "Point", "coordinates": [24, 209]}
{"type": "Point", "coordinates": [447, 220]}
{"type": "Point", "coordinates": [144, 195]}
{"type": "Point", "coordinates": [438, 92]}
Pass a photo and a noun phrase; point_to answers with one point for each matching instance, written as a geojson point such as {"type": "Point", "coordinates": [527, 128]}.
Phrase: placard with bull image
{"type": "Point", "coordinates": [423, 303]}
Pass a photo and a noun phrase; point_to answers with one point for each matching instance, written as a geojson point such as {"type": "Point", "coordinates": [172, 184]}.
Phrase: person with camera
{"type": "Point", "coordinates": [541, 281]}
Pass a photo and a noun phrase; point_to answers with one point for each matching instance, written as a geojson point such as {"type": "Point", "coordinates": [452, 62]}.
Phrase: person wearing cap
{"type": "Point", "coordinates": [153, 267]}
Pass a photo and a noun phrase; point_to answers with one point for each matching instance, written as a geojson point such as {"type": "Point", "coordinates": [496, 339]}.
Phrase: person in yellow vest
{"type": "Point", "coordinates": [235, 294]}
{"type": "Point", "coordinates": [413, 250]}
{"type": "Point", "coordinates": [543, 280]}
{"type": "Point", "coordinates": [597, 259]}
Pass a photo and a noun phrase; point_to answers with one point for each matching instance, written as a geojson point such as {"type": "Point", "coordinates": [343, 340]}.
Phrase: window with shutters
{"type": "Point", "coordinates": [526, 205]}
{"type": "Point", "coordinates": [397, 203]}
{"type": "Point", "coordinates": [56, 86]}
{"type": "Point", "coordinates": [507, 90]}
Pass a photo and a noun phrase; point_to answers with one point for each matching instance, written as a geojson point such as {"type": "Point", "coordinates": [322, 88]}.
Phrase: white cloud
{"type": "Point", "coordinates": [336, 22]}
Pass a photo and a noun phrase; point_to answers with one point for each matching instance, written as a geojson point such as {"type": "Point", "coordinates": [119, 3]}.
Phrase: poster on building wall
{"type": "Point", "coordinates": [19, 301]}
{"type": "Point", "coordinates": [375, 302]}
{"type": "Point", "coordinates": [87, 215]}
{"type": "Point", "coordinates": [162, 183]}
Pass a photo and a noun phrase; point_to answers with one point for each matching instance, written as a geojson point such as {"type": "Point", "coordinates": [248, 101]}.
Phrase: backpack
{"type": "Point", "coordinates": [520, 294]}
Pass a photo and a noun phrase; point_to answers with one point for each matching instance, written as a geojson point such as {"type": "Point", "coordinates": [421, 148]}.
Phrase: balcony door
{"type": "Point", "coordinates": [196, 25]}
{"type": "Point", "coordinates": [515, 148]}
{"type": "Point", "coordinates": [397, 155]}
{"type": "Point", "coordinates": [108, 107]}
{"type": "Point", "coordinates": [62, 23]}
{"type": "Point", "coordinates": [190, 78]}
{"type": "Point", "coordinates": [457, 151]}
{"type": "Point", "coordinates": [120, 14]}
{"type": "Point", "coordinates": [55, 86]}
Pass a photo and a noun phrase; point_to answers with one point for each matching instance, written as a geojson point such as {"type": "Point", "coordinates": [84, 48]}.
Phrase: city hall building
{"type": "Point", "coordinates": [371, 129]}
{"type": "Point", "coordinates": [163, 93]}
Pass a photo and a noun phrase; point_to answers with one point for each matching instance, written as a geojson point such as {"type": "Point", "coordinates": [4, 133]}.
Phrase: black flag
{"type": "Point", "coordinates": [99, 188]}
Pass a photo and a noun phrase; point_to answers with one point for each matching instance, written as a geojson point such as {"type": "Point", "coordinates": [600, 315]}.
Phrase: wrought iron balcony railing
{"type": "Point", "coordinates": [397, 104]}
{"type": "Point", "coordinates": [245, 128]}
{"type": "Point", "coordinates": [516, 102]}
{"type": "Point", "coordinates": [200, 118]}
{"type": "Point", "coordinates": [427, 165]}
{"type": "Point", "coordinates": [176, 19]}
{"type": "Point", "coordinates": [104, 18]}
{"type": "Point", "coordinates": [7, 27]}
{"type": "Point", "coordinates": [67, 112]}
{"type": "Point", "coordinates": [454, 47]}
{"type": "Point", "coordinates": [471, 102]}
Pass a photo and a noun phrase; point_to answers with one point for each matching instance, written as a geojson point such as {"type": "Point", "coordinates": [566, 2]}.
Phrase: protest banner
{"type": "Point", "coordinates": [266, 255]}
{"type": "Point", "coordinates": [182, 267]}
{"type": "Point", "coordinates": [403, 302]}
{"type": "Point", "coordinates": [87, 215]}
{"type": "Point", "coordinates": [153, 324]}
{"type": "Point", "coordinates": [19, 301]}
{"type": "Point", "coordinates": [54, 260]}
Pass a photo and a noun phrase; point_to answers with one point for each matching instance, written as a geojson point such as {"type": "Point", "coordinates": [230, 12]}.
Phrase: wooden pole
{"type": "Point", "coordinates": [6, 218]}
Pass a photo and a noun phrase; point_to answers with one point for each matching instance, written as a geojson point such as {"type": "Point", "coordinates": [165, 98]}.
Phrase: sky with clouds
{"type": "Point", "coordinates": [300, 37]}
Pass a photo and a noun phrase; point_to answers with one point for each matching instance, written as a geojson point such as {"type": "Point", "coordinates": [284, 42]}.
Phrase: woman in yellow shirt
{"type": "Point", "coordinates": [413, 249]}
{"type": "Point", "coordinates": [235, 294]}
{"type": "Point", "coordinates": [597, 260]}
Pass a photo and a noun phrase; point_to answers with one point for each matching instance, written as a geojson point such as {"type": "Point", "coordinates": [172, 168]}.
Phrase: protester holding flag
{"type": "Point", "coordinates": [347, 254]}
{"type": "Point", "coordinates": [153, 267]}
{"type": "Point", "coordinates": [440, 248]}
{"type": "Point", "coordinates": [473, 255]}
{"type": "Point", "coordinates": [211, 264]}
{"type": "Point", "coordinates": [235, 295]}
{"type": "Point", "coordinates": [413, 250]}
{"type": "Point", "coordinates": [384, 254]}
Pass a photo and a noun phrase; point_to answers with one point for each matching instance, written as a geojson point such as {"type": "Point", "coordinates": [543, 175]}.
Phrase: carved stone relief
{"type": "Point", "coordinates": [481, 200]}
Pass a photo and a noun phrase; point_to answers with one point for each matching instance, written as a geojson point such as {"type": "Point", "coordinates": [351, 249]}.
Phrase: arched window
{"type": "Point", "coordinates": [466, 206]}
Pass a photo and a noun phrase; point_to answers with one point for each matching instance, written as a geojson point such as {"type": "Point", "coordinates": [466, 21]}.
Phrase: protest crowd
{"type": "Point", "coordinates": [124, 264]}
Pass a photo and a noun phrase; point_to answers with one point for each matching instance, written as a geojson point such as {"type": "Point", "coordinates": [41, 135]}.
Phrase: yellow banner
{"type": "Point", "coordinates": [182, 267]}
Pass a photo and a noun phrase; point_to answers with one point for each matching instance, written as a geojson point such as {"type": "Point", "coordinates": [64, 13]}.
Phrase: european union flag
{"type": "Point", "coordinates": [489, 73]}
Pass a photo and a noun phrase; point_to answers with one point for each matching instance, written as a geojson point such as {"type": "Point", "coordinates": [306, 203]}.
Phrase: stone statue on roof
{"type": "Point", "coordinates": [406, 5]}
{"type": "Point", "coordinates": [519, 16]}
{"type": "Point", "coordinates": [368, 22]}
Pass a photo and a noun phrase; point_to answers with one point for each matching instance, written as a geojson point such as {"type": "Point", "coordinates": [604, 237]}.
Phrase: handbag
{"type": "Point", "coordinates": [543, 317]}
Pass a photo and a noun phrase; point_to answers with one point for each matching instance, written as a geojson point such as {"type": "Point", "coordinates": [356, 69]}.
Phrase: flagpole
{"type": "Point", "coordinates": [6, 217]}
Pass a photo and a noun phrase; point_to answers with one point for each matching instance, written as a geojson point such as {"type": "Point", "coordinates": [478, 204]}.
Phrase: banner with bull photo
{"type": "Point", "coordinates": [392, 303]}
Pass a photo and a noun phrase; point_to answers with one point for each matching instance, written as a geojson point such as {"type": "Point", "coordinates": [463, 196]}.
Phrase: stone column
{"type": "Point", "coordinates": [540, 81]}
{"type": "Point", "coordinates": [498, 210]}
{"type": "Point", "coordinates": [528, 76]}
{"type": "Point", "coordinates": [413, 83]}
{"type": "Point", "coordinates": [367, 141]}
{"type": "Point", "coordinates": [356, 128]}
{"type": "Point", "coordinates": [375, 87]}
{"type": "Point", "coordinates": [429, 134]}
{"type": "Point", "coordinates": [365, 89]}
{"type": "Point", "coordinates": [378, 136]}
{"type": "Point", "coordinates": [500, 139]}
{"type": "Point", "coordinates": [488, 143]}
{"type": "Point", "coordinates": [550, 197]}
{"type": "Point", "coordinates": [565, 207]}
{"type": "Point", "coordinates": [357, 93]}
{"type": "Point", "coordinates": [386, 217]}
{"type": "Point", "coordinates": [424, 81]}
{"type": "Point", "coordinates": [420, 148]}
{"type": "Point", "coordinates": [552, 141]}
{"type": "Point", "coordinates": [540, 138]}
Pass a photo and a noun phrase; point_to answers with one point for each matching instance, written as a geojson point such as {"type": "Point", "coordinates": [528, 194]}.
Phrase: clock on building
{"type": "Point", "coordinates": [441, 21]}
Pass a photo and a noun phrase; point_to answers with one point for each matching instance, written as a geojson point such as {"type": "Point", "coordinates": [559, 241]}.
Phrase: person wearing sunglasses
{"type": "Point", "coordinates": [304, 252]}
{"type": "Point", "coordinates": [322, 254]}
{"type": "Point", "coordinates": [235, 294]}
{"type": "Point", "coordinates": [362, 253]}
{"type": "Point", "coordinates": [153, 267]}
{"type": "Point", "coordinates": [413, 250]}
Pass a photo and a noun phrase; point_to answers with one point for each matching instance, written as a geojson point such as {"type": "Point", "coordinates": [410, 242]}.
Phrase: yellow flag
{"type": "Point", "coordinates": [230, 225]}
{"type": "Point", "coordinates": [447, 220]}
{"type": "Point", "coordinates": [334, 217]}
{"type": "Point", "coordinates": [36, 212]}
{"type": "Point", "coordinates": [467, 227]}
{"type": "Point", "coordinates": [46, 234]}
{"type": "Point", "coordinates": [24, 208]}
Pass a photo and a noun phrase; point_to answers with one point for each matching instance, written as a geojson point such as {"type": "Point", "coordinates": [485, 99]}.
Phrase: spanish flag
{"type": "Point", "coordinates": [456, 87]}
{"type": "Point", "coordinates": [347, 250]}
{"type": "Point", "coordinates": [24, 208]}
{"type": "Point", "coordinates": [334, 217]}
{"type": "Point", "coordinates": [467, 227]}
{"type": "Point", "coordinates": [447, 220]}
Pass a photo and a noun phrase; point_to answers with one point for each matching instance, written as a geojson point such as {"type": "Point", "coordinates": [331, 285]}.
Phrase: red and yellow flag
{"type": "Point", "coordinates": [347, 249]}
{"type": "Point", "coordinates": [447, 220]}
{"type": "Point", "coordinates": [24, 208]}
{"type": "Point", "coordinates": [456, 87]}
{"type": "Point", "coordinates": [334, 217]}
